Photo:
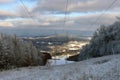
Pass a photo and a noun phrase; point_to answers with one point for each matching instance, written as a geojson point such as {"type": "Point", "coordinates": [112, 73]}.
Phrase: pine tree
{"type": "Point", "coordinates": [16, 53]}
{"type": "Point", "coordinates": [105, 41]}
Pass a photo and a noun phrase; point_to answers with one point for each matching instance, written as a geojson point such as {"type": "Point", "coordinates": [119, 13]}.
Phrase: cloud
{"type": "Point", "coordinates": [49, 14]}
{"type": "Point", "coordinates": [5, 1]}
{"type": "Point", "coordinates": [23, 11]}
{"type": "Point", "coordinates": [59, 6]}
{"type": "Point", "coordinates": [6, 24]}
{"type": "Point", "coordinates": [50, 25]}
{"type": "Point", "coordinates": [7, 14]}
{"type": "Point", "coordinates": [92, 5]}
{"type": "Point", "coordinates": [86, 22]}
{"type": "Point", "coordinates": [48, 6]}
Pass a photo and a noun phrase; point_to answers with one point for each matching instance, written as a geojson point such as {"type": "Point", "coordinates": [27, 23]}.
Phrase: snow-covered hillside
{"type": "Point", "coordinates": [104, 68]}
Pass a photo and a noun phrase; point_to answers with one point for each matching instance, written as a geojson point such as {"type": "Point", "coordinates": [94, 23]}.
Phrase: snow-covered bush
{"type": "Point", "coordinates": [105, 41]}
{"type": "Point", "coordinates": [16, 53]}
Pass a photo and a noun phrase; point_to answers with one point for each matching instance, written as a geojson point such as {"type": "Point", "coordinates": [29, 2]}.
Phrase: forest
{"type": "Point", "coordinates": [15, 52]}
{"type": "Point", "coordinates": [105, 41]}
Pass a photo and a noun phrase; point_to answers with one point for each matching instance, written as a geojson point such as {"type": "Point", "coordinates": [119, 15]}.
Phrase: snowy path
{"type": "Point", "coordinates": [104, 68]}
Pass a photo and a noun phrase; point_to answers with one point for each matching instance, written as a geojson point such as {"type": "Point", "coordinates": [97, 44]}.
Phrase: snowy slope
{"type": "Point", "coordinates": [104, 68]}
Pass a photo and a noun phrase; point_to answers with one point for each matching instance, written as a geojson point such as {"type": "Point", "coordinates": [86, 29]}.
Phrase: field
{"type": "Point", "coordinates": [103, 68]}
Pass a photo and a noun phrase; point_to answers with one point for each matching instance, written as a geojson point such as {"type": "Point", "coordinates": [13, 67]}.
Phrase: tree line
{"type": "Point", "coordinates": [105, 41]}
{"type": "Point", "coordinates": [15, 52]}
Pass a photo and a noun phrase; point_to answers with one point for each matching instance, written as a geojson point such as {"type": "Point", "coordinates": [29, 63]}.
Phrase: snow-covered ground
{"type": "Point", "coordinates": [59, 62]}
{"type": "Point", "coordinates": [104, 68]}
{"type": "Point", "coordinates": [76, 45]}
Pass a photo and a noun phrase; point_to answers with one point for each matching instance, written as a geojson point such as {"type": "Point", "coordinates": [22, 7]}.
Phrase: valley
{"type": "Point", "coordinates": [59, 47]}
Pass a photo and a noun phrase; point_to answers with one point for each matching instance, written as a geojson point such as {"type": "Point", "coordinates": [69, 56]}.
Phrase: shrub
{"type": "Point", "coordinates": [16, 53]}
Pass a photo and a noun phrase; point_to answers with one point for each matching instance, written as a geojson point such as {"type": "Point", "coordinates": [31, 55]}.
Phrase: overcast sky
{"type": "Point", "coordinates": [50, 14]}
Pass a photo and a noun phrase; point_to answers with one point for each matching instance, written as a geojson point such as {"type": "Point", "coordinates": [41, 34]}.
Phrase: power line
{"type": "Point", "coordinates": [27, 11]}
{"type": "Point", "coordinates": [65, 13]}
{"type": "Point", "coordinates": [65, 18]}
{"type": "Point", "coordinates": [66, 9]}
{"type": "Point", "coordinates": [104, 12]}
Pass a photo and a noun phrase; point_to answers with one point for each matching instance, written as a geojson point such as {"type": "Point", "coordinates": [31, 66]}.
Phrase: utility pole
{"type": "Point", "coordinates": [55, 48]}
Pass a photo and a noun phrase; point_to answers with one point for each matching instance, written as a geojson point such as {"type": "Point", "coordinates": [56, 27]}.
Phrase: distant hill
{"type": "Point", "coordinates": [53, 40]}
{"type": "Point", "coordinates": [58, 37]}
{"type": "Point", "coordinates": [31, 32]}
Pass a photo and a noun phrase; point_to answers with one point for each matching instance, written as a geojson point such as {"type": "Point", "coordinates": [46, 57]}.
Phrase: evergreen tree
{"type": "Point", "coordinates": [16, 53]}
{"type": "Point", "coordinates": [105, 41]}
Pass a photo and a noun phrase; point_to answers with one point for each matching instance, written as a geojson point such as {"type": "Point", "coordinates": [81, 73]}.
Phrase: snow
{"type": "Point", "coordinates": [61, 56]}
{"type": "Point", "coordinates": [103, 68]}
{"type": "Point", "coordinates": [59, 62]}
{"type": "Point", "coordinates": [76, 45]}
